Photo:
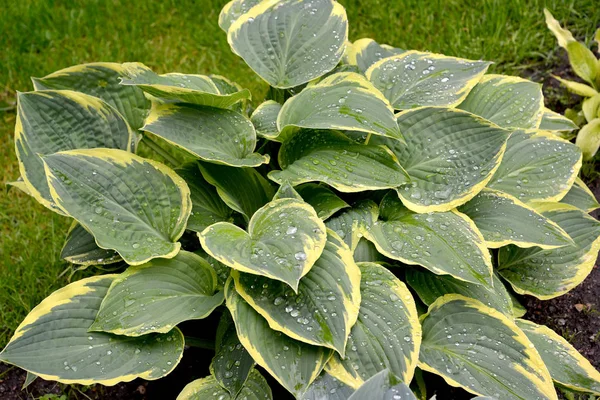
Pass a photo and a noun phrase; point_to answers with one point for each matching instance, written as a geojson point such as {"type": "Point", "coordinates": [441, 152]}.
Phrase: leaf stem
{"type": "Point", "coordinates": [200, 343]}
{"type": "Point", "coordinates": [368, 138]}
{"type": "Point", "coordinates": [160, 151]}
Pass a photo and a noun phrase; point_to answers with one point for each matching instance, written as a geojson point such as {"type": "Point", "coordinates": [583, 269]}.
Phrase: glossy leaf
{"type": "Point", "coordinates": [58, 329]}
{"type": "Point", "coordinates": [326, 387]}
{"type": "Point", "coordinates": [322, 199]}
{"type": "Point", "coordinates": [186, 88]}
{"type": "Point", "coordinates": [537, 167]}
{"type": "Point", "coordinates": [289, 42]}
{"type": "Point", "coordinates": [350, 224]}
{"type": "Point", "coordinates": [383, 386]}
{"type": "Point", "coordinates": [284, 239]}
{"type": "Point", "coordinates": [387, 334]}
{"type": "Point", "coordinates": [120, 199]}
{"type": "Point", "coordinates": [158, 295]}
{"type": "Point", "coordinates": [342, 101]}
{"type": "Point", "coordinates": [101, 79]}
{"type": "Point", "coordinates": [233, 10]}
{"type": "Point", "coordinates": [503, 219]}
{"type": "Point", "coordinates": [581, 197]}
{"type": "Point", "coordinates": [325, 306]}
{"type": "Point", "coordinates": [333, 158]}
{"type": "Point", "coordinates": [80, 248]}
{"type": "Point", "coordinates": [481, 350]}
{"type": "Point", "coordinates": [365, 52]}
{"type": "Point", "coordinates": [416, 79]}
{"type": "Point", "coordinates": [507, 101]}
{"type": "Point", "coordinates": [295, 365]}
{"type": "Point", "coordinates": [211, 134]}
{"type": "Point", "coordinates": [567, 367]}
{"type": "Point", "coordinates": [445, 243]}
{"type": "Point", "coordinates": [264, 119]}
{"type": "Point", "coordinates": [52, 121]}
{"type": "Point", "coordinates": [546, 274]}
{"type": "Point", "coordinates": [255, 388]}
{"type": "Point", "coordinates": [554, 122]}
{"type": "Point", "coordinates": [450, 155]}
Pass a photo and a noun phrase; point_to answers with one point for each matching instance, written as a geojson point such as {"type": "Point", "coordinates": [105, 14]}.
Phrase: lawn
{"type": "Point", "coordinates": [41, 36]}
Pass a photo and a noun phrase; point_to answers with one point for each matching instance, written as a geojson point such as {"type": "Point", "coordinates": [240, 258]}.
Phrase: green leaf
{"type": "Point", "coordinates": [333, 158]}
{"type": "Point", "coordinates": [255, 388]}
{"type": "Point", "coordinates": [546, 274]}
{"type": "Point", "coordinates": [481, 350]}
{"type": "Point", "coordinates": [326, 387]}
{"type": "Point", "coordinates": [588, 139]}
{"type": "Point", "coordinates": [120, 199]}
{"type": "Point", "coordinates": [416, 79]}
{"type": "Point", "coordinates": [325, 306]}
{"type": "Point", "coordinates": [444, 243]}
{"type": "Point", "coordinates": [231, 364]}
{"type": "Point", "coordinates": [233, 10]}
{"type": "Point", "coordinates": [212, 134]}
{"type": "Point", "coordinates": [343, 101]}
{"type": "Point", "coordinates": [29, 378]}
{"type": "Point", "coordinates": [581, 197]}
{"type": "Point", "coordinates": [295, 365]}
{"type": "Point", "coordinates": [351, 224]}
{"type": "Point", "coordinates": [187, 88]}
{"type": "Point", "coordinates": [537, 167]}
{"type": "Point", "coordinates": [156, 296]}
{"type": "Point", "coordinates": [430, 287]}
{"type": "Point", "coordinates": [58, 329]}
{"type": "Point", "coordinates": [567, 367]}
{"type": "Point", "coordinates": [80, 248]}
{"type": "Point", "coordinates": [207, 206]}
{"type": "Point", "coordinates": [507, 101]}
{"type": "Point", "coordinates": [227, 86]}
{"type": "Point", "coordinates": [577, 88]}
{"type": "Point", "coordinates": [450, 155]}
{"type": "Point", "coordinates": [502, 219]}
{"type": "Point", "coordinates": [324, 201]}
{"type": "Point", "coordinates": [264, 119]}
{"type": "Point", "coordinates": [366, 251]}
{"type": "Point", "coordinates": [242, 189]}
{"type": "Point", "coordinates": [284, 239]}
{"type": "Point", "coordinates": [101, 80]}
{"type": "Point", "coordinates": [365, 52]}
{"type": "Point", "coordinates": [387, 334]}
{"type": "Point", "coordinates": [286, 191]}
{"type": "Point", "coordinates": [554, 122]}
{"type": "Point", "coordinates": [590, 107]}
{"type": "Point", "coordinates": [383, 386]}
{"type": "Point", "coordinates": [289, 42]}
{"type": "Point", "coordinates": [52, 121]}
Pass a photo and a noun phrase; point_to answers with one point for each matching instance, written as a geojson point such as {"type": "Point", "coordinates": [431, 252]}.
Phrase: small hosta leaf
{"type": "Point", "coordinates": [325, 306]}
{"type": "Point", "coordinates": [295, 365]}
{"type": "Point", "coordinates": [211, 134]}
{"type": "Point", "coordinates": [284, 239]}
{"type": "Point", "coordinates": [567, 367]}
{"type": "Point", "coordinates": [324, 201]}
{"type": "Point", "coordinates": [186, 88]}
{"type": "Point", "coordinates": [503, 219]}
{"type": "Point", "coordinates": [445, 242]}
{"type": "Point", "coordinates": [507, 101]}
{"type": "Point", "coordinates": [326, 387]}
{"type": "Point", "coordinates": [101, 80]}
{"type": "Point", "coordinates": [232, 363]}
{"type": "Point", "coordinates": [387, 334]}
{"type": "Point", "coordinates": [333, 158]}
{"type": "Point", "coordinates": [554, 122]}
{"type": "Point", "coordinates": [58, 329]}
{"type": "Point", "coordinates": [365, 52]}
{"type": "Point", "coordinates": [450, 155]}
{"type": "Point", "coordinates": [383, 386]}
{"type": "Point", "coordinates": [289, 42]}
{"type": "Point", "coordinates": [481, 350]}
{"type": "Point", "coordinates": [207, 207]}
{"type": "Point", "coordinates": [430, 287]}
{"type": "Point", "coordinates": [546, 274]}
{"type": "Point", "coordinates": [343, 101]}
{"type": "Point", "coordinates": [416, 79]}
{"type": "Point", "coordinates": [537, 167]}
{"type": "Point", "coordinates": [264, 119]}
{"type": "Point", "coordinates": [120, 199]}
{"type": "Point", "coordinates": [80, 248]}
{"type": "Point", "coordinates": [242, 189]}
{"type": "Point", "coordinates": [351, 224]}
{"type": "Point", "coordinates": [156, 296]}
{"type": "Point", "coordinates": [255, 388]}
{"type": "Point", "coordinates": [581, 197]}
{"type": "Point", "coordinates": [57, 120]}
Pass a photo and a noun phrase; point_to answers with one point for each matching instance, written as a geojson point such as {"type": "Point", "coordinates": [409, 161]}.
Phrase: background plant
{"type": "Point", "coordinates": [294, 278]}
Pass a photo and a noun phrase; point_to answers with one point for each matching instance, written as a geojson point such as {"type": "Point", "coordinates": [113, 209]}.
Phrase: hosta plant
{"type": "Point", "coordinates": [587, 66]}
{"type": "Point", "coordinates": [369, 224]}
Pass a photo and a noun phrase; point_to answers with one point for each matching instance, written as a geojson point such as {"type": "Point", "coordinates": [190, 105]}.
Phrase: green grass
{"type": "Point", "coordinates": [41, 36]}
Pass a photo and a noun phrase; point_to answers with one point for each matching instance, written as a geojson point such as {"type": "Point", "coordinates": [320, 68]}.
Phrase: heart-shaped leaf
{"type": "Point", "coordinates": [255, 388]}
{"type": "Point", "coordinates": [264, 119]}
{"type": "Point", "coordinates": [284, 239]}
